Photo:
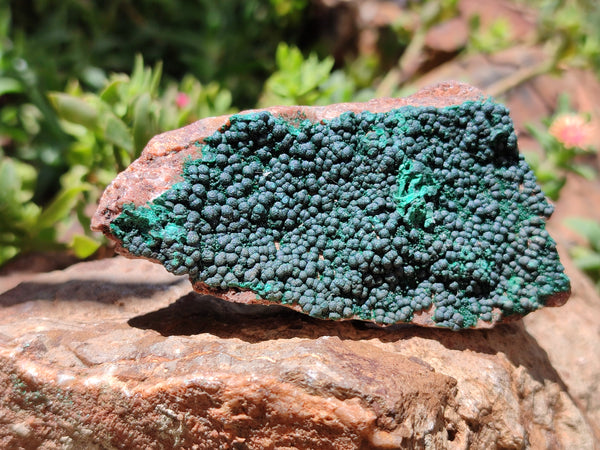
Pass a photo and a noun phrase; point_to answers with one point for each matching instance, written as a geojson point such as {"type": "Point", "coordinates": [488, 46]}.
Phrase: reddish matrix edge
{"type": "Point", "coordinates": [161, 164]}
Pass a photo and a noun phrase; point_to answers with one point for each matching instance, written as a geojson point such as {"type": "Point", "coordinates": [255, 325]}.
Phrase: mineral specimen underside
{"type": "Point", "coordinates": [383, 217]}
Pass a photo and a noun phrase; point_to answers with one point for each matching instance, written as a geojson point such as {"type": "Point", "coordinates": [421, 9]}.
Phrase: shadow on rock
{"type": "Point", "coordinates": [101, 291]}
{"type": "Point", "coordinates": [197, 314]}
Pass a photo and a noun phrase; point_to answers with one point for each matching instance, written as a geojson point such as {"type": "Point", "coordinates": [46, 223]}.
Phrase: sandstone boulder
{"type": "Point", "coordinates": [118, 353]}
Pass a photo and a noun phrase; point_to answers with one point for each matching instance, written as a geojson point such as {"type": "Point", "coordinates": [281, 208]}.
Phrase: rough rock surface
{"type": "Point", "coordinates": [249, 215]}
{"type": "Point", "coordinates": [572, 341]}
{"type": "Point", "coordinates": [160, 164]}
{"type": "Point", "coordinates": [118, 353]}
{"type": "Point", "coordinates": [529, 102]}
{"type": "Point", "coordinates": [571, 337]}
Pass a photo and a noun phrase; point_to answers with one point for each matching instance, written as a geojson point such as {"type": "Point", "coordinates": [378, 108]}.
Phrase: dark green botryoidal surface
{"type": "Point", "coordinates": [375, 216]}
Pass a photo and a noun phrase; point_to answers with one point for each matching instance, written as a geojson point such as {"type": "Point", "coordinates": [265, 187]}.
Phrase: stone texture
{"type": "Point", "coordinates": [532, 100]}
{"type": "Point", "coordinates": [118, 353]}
{"type": "Point", "coordinates": [572, 337]}
{"type": "Point", "coordinates": [160, 167]}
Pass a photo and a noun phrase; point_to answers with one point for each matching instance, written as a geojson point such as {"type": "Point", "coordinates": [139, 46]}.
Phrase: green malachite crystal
{"type": "Point", "coordinates": [371, 216]}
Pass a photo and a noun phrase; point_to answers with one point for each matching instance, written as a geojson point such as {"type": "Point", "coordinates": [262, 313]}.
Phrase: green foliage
{"type": "Point", "coordinates": [31, 142]}
{"type": "Point", "coordinates": [573, 25]}
{"type": "Point", "coordinates": [107, 131]}
{"type": "Point", "coordinates": [491, 39]}
{"type": "Point", "coordinates": [558, 158]}
{"type": "Point", "coordinates": [587, 257]}
{"type": "Point", "coordinates": [229, 41]}
{"type": "Point", "coordinates": [297, 81]}
{"type": "Point", "coordinates": [551, 168]}
{"type": "Point", "coordinates": [61, 149]}
{"type": "Point", "coordinates": [311, 81]}
{"type": "Point", "coordinates": [24, 226]}
{"type": "Point", "coordinates": [111, 128]}
{"type": "Point", "coordinates": [29, 129]}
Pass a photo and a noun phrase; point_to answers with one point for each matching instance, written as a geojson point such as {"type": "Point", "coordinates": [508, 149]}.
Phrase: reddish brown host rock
{"type": "Point", "coordinates": [160, 164]}
{"type": "Point", "coordinates": [118, 353]}
{"type": "Point", "coordinates": [411, 210]}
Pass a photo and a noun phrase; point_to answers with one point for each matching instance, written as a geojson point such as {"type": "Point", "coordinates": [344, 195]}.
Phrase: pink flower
{"type": "Point", "coordinates": [571, 130]}
{"type": "Point", "coordinates": [182, 100]}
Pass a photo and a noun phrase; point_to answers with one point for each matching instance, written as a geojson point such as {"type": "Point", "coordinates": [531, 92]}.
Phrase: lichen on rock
{"type": "Point", "coordinates": [379, 216]}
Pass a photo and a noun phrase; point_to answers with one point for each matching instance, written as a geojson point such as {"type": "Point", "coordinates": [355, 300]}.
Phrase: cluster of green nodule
{"type": "Point", "coordinates": [375, 216]}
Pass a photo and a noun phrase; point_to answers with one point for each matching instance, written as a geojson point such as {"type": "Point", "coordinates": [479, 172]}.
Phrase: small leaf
{"type": "Point", "coordinates": [583, 171]}
{"type": "Point", "coordinates": [111, 93]}
{"type": "Point", "coordinates": [94, 76]}
{"type": "Point", "coordinates": [118, 133]}
{"type": "Point", "coordinates": [587, 228]}
{"type": "Point", "coordinates": [552, 187]}
{"type": "Point", "coordinates": [17, 178]}
{"type": "Point", "coordinates": [156, 75]}
{"type": "Point", "coordinates": [585, 259]}
{"type": "Point", "coordinates": [546, 174]}
{"type": "Point", "coordinates": [540, 135]}
{"type": "Point", "coordinates": [532, 158]}
{"type": "Point", "coordinates": [74, 109]}
{"type": "Point", "coordinates": [222, 102]}
{"type": "Point", "coordinates": [137, 75]}
{"type": "Point", "coordinates": [7, 252]}
{"type": "Point", "coordinates": [17, 212]}
{"type": "Point", "coordinates": [83, 246]}
{"type": "Point", "coordinates": [60, 207]}
{"type": "Point", "coordinates": [9, 86]}
{"type": "Point", "coordinates": [143, 126]}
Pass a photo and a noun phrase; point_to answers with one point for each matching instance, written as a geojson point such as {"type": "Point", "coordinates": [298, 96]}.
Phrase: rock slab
{"type": "Point", "coordinates": [118, 353]}
{"type": "Point", "coordinates": [416, 210]}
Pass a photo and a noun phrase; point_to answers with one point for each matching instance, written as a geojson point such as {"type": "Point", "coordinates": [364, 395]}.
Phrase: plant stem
{"type": "Point", "coordinates": [513, 80]}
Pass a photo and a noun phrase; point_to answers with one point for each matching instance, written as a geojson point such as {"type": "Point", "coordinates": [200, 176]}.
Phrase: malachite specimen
{"type": "Point", "coordinates": [370, 216]}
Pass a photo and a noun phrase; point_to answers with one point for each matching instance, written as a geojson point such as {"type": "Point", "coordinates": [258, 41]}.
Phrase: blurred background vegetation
{"type": "Point", "coordinates": [85, 84]}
